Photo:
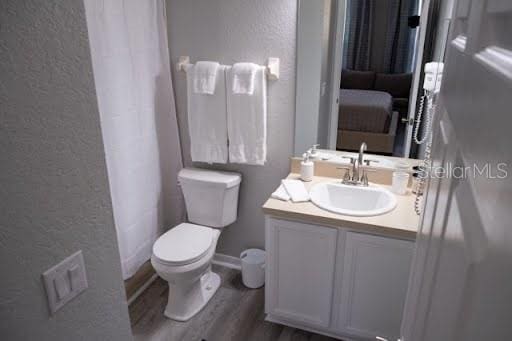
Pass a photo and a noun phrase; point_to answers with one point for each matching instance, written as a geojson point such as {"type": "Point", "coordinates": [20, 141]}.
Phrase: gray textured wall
{"type": "Point", "coordinates": [54, 197]}
{"type": "Point", "coordinates": [229, 31]}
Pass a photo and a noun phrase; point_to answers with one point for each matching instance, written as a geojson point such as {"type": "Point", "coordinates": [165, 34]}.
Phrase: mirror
{"type": "Point", "coordinates": [362, 74]}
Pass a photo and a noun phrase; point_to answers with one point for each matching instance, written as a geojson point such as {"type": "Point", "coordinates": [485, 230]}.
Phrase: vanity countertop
{"type": "Point", "coordinates": [402, 222]}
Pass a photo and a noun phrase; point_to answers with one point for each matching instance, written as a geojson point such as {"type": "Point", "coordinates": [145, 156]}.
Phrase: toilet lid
{"type": "Point", "coordinates": [183, 244]}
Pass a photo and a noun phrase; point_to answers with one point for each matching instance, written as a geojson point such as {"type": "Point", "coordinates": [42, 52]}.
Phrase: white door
{"type": "Point", "coordinates": [461, 286]}
{"type": "Point", "coordinates": [373, 285]}
{"type": "Point", "coordinates": [300, 271]}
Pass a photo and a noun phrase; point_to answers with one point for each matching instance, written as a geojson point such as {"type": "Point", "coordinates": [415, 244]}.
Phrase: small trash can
{"type": "Point", "coordinates": [253, 268]}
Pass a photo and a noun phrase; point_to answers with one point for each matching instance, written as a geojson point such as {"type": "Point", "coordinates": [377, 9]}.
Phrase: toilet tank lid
{"type": "Point", "coordinates": [225, 179]}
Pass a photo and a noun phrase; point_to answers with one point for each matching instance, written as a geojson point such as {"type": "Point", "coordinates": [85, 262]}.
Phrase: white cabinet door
{"type": "Point", "coordinates": [300, 271]}
{"type": "Point", "coordinates": [373, 281]}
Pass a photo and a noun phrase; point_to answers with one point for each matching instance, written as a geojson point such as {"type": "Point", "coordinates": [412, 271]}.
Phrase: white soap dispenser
{"type": "Point", "coordinates": [313, 152]}
{"type": "Point", "coordinates": [307, 167]}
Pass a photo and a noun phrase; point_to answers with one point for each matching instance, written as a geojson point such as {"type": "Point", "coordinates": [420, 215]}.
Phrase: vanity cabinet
{"type": "Point", "coordinates": [372, 276]}
{"type": "Point", "coordinates": [300, 263]}
{"type": "Point", "coordinates": [335, 281]}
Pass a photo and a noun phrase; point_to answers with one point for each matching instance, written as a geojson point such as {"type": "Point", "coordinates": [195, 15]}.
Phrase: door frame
{"type": "Point", "coordinates": [417, 76]}
{"type": "Point", "coordinates": [428, 32]}
{"type": "Point", "coordinates": [336, 54]}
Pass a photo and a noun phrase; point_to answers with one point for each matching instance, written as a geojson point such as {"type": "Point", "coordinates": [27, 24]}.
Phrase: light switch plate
{"type": "Point", "coordinates": [65, 281]}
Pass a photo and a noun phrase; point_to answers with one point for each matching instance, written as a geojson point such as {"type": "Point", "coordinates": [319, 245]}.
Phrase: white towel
{"type": "Point", "coordinates": [243, 78]}
{"type": "Point", "coordinates": [207, 124]}
{"type": "Point", "coordinates": [296, 190]}
{"type": "Point", "coordinates": [205, 76]}
{"type": "Point", "coordinates": [280, 193]}
{"type": "Point", "coordinates": [247, 121]}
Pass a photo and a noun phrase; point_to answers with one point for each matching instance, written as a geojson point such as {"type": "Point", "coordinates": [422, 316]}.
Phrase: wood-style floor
{"type": "Point", "coordinates": [235, 313]}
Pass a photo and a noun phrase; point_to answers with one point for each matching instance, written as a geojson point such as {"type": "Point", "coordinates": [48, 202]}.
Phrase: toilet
{"type": "Point", "coordinates": [182, 256]}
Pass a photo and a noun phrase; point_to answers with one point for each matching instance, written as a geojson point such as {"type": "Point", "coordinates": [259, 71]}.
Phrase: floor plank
{"type": "Point", "coordinates": [235, 313]}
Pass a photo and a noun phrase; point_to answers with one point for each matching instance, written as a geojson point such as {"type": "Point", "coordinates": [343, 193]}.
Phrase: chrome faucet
{"type": "Point", "coordinates": [359, 162]}
{"type": "Point", "coordinates": [357, 165]}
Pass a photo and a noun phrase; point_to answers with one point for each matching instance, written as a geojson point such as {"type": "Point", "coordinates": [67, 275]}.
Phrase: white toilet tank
{"type": "Point", "coordinates": [211, 197]}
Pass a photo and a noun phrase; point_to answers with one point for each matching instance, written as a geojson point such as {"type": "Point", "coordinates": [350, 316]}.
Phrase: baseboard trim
{"type": "Point", "coordinates": [328, 333]}
{"type": "Point", "coordinates": [227, 261]}
{"type": "Point", "coordinates": [142, 289]}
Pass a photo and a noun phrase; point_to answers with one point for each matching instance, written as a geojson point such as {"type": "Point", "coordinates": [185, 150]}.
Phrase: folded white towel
{"type": "Point", "coordinates": [207, 124]}
{"type": "Point", "coordinates": [247, 121]}
{"type": "Point", "coordinates": [296, 190]}
{"type": "Point", "coordinates": [280, 193]}
{"type": "Point", "coordinates": [205, 76]}
{"type": "Point", "coordinates": [243, 78]}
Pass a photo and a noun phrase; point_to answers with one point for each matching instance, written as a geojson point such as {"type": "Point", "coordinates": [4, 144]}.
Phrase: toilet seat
{"type": "Point", "coordinates": [184, 244]}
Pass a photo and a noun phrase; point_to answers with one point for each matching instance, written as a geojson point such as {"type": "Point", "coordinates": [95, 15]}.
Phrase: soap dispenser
{"type": "Point", "coordinates": [313, 152]}
{"type": "Point", "coordinates": [307, 167]}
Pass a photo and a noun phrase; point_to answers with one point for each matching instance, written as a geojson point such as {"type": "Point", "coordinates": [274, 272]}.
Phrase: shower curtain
{"type": "Point", "coordinates": [128, 41]}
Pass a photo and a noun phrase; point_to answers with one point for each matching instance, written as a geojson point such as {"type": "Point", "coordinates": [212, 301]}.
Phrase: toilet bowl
{"type": "Point", "coordinates": [191, 281]}
{"type": "Point", "coordinates": [182, 256]}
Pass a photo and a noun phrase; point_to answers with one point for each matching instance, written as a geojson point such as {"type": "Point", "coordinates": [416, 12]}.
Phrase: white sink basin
{"type": "Point", "coordinates": [352, 200]}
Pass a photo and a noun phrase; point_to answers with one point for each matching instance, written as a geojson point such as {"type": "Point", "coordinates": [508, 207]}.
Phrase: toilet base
{"type": "Point", "coordinates": [187, 299]}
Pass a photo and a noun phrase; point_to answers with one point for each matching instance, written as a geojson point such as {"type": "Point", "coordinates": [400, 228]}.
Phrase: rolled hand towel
{"type": "Point", "coordinates": [296, 190]}
{"type": "Point", "coordinates": [205, 76]}
{"type": "Point", "coordinates": [280, 193]}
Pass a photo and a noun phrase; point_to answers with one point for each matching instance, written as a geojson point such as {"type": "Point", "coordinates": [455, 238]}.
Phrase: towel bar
{"type": "Point", "coordinates": [271, 69]}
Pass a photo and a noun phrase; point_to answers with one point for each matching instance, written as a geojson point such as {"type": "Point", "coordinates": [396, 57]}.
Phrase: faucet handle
{"type": "Point", "coordinates": [352, 159]}
{"type": "Point", "coordinates": [364, 177]}
{"type": "Point", "coordinates": [367, 161]}
{"type": "Point", "coordinates": [346, 176]}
